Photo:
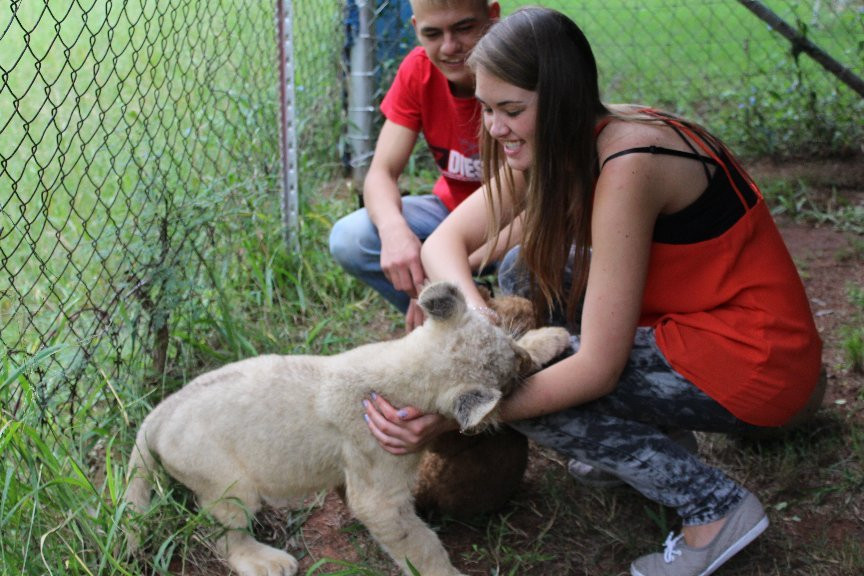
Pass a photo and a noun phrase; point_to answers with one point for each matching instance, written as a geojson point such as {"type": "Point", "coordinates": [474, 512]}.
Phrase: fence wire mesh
{"type": "Point", "coordinates": [717, 61]}
{"type": "Point", "coordinates": [128, 129]}
{"type": "Point", "coordinates": [714, 60]}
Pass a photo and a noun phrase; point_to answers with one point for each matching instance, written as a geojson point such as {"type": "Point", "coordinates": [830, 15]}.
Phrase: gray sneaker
{"type": "Point", "coordinates": [588, 475]}
{"type": "Point", "coordinates": [742, 526]}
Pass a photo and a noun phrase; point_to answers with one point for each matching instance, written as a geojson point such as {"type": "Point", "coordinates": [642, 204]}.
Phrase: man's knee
{"type": "Point", "coordinates": [340, 244]}
{"type": "Point", "coordinates": [353, 241]}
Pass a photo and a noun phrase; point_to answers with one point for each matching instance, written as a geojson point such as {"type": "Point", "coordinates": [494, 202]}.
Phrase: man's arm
{"type": "Point", "coordinates": [400, 247]}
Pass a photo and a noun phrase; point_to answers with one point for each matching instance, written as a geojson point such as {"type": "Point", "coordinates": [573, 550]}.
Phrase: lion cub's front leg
{"type": "Point", "coordinates": [381, 499]}
{"type": "Point", "coordinates": [545, 344]}
{"type": "Point", "coordinates": [248, 557]}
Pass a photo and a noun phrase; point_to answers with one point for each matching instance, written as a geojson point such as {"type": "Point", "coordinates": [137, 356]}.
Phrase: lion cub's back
{"type": "Point", "coordinates": [249, 423]}
{"type": "Point", "coordinates": [251, 400]}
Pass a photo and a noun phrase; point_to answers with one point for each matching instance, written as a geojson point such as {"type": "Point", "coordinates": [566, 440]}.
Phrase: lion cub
{"type": "Point", "coordinates": [273, 428]}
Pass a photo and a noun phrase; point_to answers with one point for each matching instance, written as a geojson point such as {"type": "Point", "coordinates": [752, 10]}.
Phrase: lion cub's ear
{"type": "Point", "coordinates": [474, 404]}
{"type": "Point", "coordinates": [442, 300]}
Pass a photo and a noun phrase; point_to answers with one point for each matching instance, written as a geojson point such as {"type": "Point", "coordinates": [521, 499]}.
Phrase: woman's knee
{"type": "Point", "coordinates": [513, 278]}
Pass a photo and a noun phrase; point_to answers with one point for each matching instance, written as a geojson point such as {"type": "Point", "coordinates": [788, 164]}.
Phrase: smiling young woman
{"type": "Point", "coordinates": [641, 232]}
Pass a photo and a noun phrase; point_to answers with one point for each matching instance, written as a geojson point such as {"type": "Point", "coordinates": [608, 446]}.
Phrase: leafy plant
{"type": "Point", "coordinates": [853, 334]}
{"type": "Point", "coordinates": [801, 201]}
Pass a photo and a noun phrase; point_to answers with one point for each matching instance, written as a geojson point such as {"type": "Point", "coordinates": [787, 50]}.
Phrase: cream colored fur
{"type": "Point", "coordinates": [273, 428]}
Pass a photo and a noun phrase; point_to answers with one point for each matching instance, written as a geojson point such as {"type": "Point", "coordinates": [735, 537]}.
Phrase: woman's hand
{"type": "Point", "coordinates": [405, 430]}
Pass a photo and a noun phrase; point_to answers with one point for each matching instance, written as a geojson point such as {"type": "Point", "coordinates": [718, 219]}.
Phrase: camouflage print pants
{"type": "Point", "coordinates": [622, 433]}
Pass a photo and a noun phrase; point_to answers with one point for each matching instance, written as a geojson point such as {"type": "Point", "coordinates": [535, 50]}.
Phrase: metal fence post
{"type": "Point", "coordinates": [361, 91]}
{"type": "Point", "coordinates": [288, 130]}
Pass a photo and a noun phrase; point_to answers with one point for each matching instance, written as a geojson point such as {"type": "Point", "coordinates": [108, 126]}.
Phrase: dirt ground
{"type": "Point", "coordinates": [830, 262]}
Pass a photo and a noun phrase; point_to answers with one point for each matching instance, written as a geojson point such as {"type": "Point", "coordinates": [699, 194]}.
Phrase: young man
{"type": "Point", "coordinates": [432, 94]}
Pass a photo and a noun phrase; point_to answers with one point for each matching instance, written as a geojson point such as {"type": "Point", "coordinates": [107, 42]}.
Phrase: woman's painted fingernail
{"type": "Point", "coordinates": [366, 417]}
{"type": "Point", "coordinates": [402, 414]}
{"type": "Point", "coordinates": [373, 395]}
{"type": "Point", "coordinates": [365, 403]}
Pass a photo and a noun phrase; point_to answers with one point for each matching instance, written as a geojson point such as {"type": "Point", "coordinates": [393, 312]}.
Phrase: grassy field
{"type": "Point", "coordinates": [719, 63]}
{"type": "Point", "coordinates": [141, 240]}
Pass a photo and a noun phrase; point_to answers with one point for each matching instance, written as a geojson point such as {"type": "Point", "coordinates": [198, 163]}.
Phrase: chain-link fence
{"type": "Point", "coordinates": [717, 61]}
{"type": "Point", "coordinates": [779, 77]}
{"type": "Point", "coordinates": [128, 129]}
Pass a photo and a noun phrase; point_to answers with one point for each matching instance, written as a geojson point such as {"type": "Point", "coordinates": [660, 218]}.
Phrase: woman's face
{"type": "Point", "coordinates": [510, 116]}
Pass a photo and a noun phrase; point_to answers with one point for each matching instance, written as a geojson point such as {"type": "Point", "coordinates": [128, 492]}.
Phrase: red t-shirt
{"type": "Point", "coordinates": [420, 100]}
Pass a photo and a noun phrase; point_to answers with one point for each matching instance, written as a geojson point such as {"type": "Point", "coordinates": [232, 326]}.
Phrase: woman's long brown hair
{"type": "Point", "coordinates": [543, 51]}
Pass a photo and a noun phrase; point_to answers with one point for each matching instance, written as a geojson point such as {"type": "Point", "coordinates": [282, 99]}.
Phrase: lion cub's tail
{"type": "Point", "coordinates": [138, 488]}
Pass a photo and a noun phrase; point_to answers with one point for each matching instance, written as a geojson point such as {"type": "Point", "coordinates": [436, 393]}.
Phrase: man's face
{"type": "Point", "coordinates": [449, 33]}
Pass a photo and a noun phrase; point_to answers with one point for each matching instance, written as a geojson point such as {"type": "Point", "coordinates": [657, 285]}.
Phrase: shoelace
{"type": "Point", "coordinates": [671, 552]}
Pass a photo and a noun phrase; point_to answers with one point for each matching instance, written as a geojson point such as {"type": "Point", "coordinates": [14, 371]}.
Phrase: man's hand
{"type": "Point", "coordinates": [414, 317]}
{"type": "Point", "coordinates": [400, 260]}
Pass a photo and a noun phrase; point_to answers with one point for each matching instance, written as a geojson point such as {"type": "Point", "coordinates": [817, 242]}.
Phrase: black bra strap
{"type": "Point", "coordinates": [693, 148]}
{"type": "Point", "coordinates": [660, 150]}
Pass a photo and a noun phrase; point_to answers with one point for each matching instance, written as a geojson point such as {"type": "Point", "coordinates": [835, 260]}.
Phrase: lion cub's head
{"type": "Point", "coordinates": [477, 362]}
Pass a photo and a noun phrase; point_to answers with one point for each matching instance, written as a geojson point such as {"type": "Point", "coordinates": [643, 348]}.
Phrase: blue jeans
{"type": "Point", "coordinates": [356, 246]}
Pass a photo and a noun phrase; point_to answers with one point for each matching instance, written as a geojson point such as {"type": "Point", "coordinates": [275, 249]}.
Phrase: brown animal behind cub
{"type": "Point", "coordinates": [464, 476]}
{"type": "Point", "coordinates": [274, 428]}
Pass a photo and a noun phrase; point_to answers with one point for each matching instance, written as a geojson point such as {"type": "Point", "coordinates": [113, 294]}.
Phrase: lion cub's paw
{"type": "Point", "coordinates": [545, 344]}
{"type": "Point", "coordinates": [256, 559]}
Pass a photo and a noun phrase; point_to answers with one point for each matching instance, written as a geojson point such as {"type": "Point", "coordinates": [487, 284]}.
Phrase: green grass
{"type": "Point", "coordinates": [61, 478]}
{"type": "Point", "coordinates": [719, 64]}
{"type": "Point", "coordinates": [108, 134]}
{"type": "Point", "coordinates": [806, 202]}
{"type": "Point", "coordinates": [853, 333]}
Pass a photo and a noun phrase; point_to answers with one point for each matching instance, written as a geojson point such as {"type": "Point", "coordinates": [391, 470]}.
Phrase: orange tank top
{"type": "Point", "coordinates": [730, 313]}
